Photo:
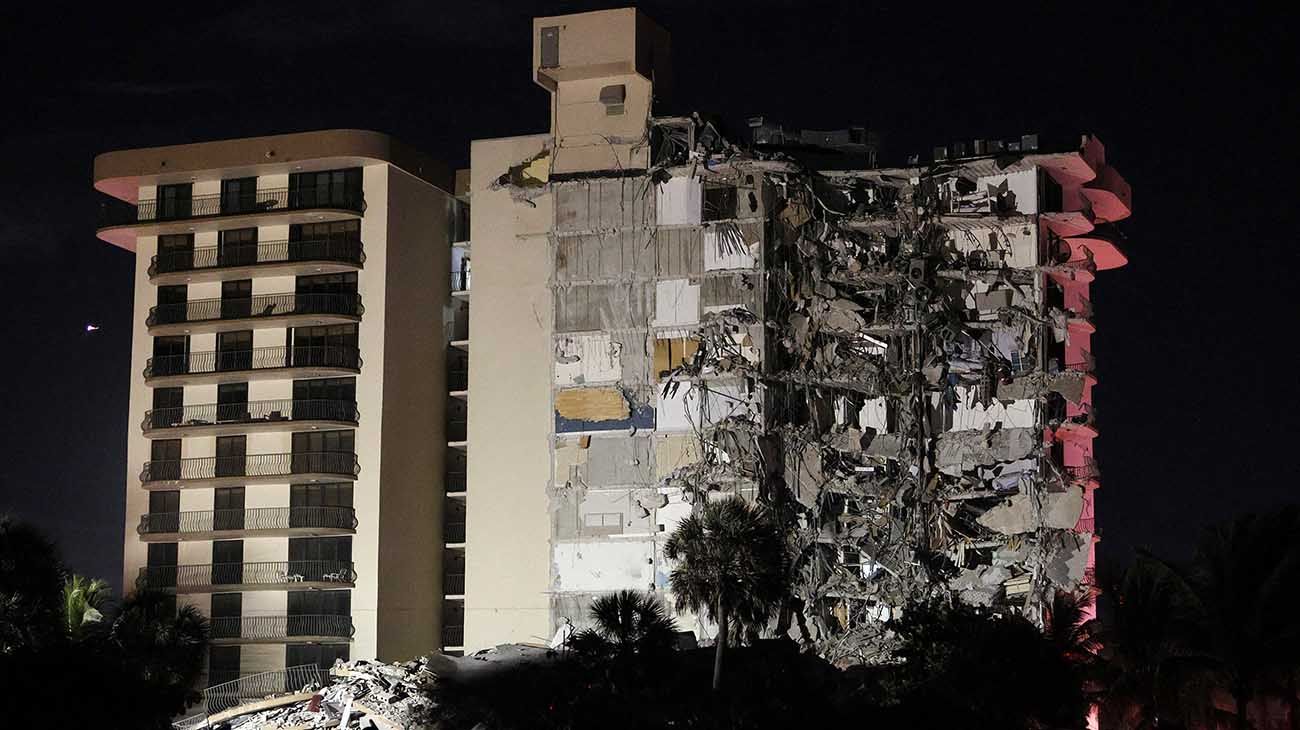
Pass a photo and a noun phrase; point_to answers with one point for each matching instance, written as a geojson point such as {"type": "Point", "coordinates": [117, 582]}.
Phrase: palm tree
{"type": "Point", "coordinates": [1152, 666]}
{"type": "Point", "coordinates": [162, 646]}
{"type": "Point", "coordinates": [730, 565]}
{"type": "Point", "coordinates": [83, 603]}
{"type": "Point", "coordinates": [31, 576]}
{"type": "Point", "coordinates": [1246, 574]}
{"type": "Point", "coordinates": [626, 623]}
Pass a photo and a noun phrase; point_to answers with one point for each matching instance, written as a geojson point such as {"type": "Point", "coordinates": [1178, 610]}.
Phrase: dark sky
{"type": "Point", "coordinates": [1197, 109]}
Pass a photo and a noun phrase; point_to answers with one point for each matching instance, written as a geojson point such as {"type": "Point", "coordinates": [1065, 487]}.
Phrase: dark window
{"type": "Point", "coordinates": [228, 508]}
{"type": "Point", "coordinates": [237, 247]}
{"type": "Point", "coordinates": [164, 511]}
{"type": "Point", "coordinates": [327, 188]}
{"type": "Point", "coordinates": [175, 252]}
{"type": "Point", "coordinates": [320, 603]}
{"type": "Point", "coordinates": [168, 407]}
{"type": "Point", "coordinates": [161, 559]}
{"type": "Point", "coordinates": [171, 304]}
{"type": "Point", "coordinates": [170, 355]}
{"type": "Point", "coordinates": [332, 346]}
{"type": "Point", "coordinates": [330, 549]}
{"type": "Point", "coordinates": [239, 195]}
{"type": "Point", "coordinates": [227, 562]}
{"type": "Point", "coordinates": [165, 459]}
{"type": "Point", "coordinates": [325, 398]}
{"type": "Point", "coordinates": [326, 293]}
{"type": "Point", "coordinates": [320, 505]}
{"type": "Point", "coordinates": [232, 402]}
{"type": "Point", "coordinates": [336, 241]}
{"type": "Point", "coordinates": [550, 46]}
{"type": "Point", "coordinates": [227, 611]}
{"type": "Point", "coordinates": [231, 456]}
{"type": "Point", "coordinates": [322, 655]}
{"type": "Point", "coordinates": [174, 201]}
{"type": "Point", "coordinates": [236, 298]}
{"type": "Point", "coordinates": [719, 202]}
{"type": "Point", "coordinates": [329, 452]}
{"type": "Point", "coordinates": [223, 666]}
{"type": "Point", "coordinates": [235, 350]}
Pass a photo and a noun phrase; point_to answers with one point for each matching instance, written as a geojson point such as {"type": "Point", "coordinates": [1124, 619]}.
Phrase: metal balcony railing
{"type": "Point", "coordinates": [453, 636]}
{"type": "Point", "coordinates": [224, 696]}
{"type": "Point", "coordinates": [284, 573]}
{"type": "Point", "coordinates": [212, 206]}
{"type": "Point", "coordinates": [342, 463]}
{"type": "Point", "coordinates": [454, 531]}
{"type": "Point", "coordinates": [258, 358]}
{"type": "Point", "coordinates": [460, 280]}
{"type": "Point", "coordinates": [456, 481]}
{"type": "Point", "coordinates": [260, 305]}
{"type": "Point", "coordinates": [255, 518]}
{"type": "Point", "coordinates": [227, 255]}
{"type": "Point", "coordinates": [210, 414]}
{"type": "Point", "coordinates": [271, 628]}
{"type": "Point", "coordinates": [453, 584]}
{"type": "Point", "coordinates": [457, 379]}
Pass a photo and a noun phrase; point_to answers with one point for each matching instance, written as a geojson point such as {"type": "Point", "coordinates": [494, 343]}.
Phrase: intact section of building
{"type": "Point", "coordinates": [289, 390]}
{"type": "Point", "coordinates": [896, 360]}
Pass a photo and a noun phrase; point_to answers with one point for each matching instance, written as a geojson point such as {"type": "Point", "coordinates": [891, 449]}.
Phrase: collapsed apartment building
{"type": "Point", "coordinates": [896, 360]}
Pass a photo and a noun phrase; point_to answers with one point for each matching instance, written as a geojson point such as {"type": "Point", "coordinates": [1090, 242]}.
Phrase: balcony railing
{"type": "Point", "coordinates": [258, 358]}
{"type": "Point", "coordinates": [453, 635]}
{"type": "Point", "coordinates": [256, 518]}
{"type": "Point", "coordinates": [457, 379]}
{"type": "Point", "coordinates": [227, 255]}
{"type": "Point", "coordinates": [460, 280]}
{"type": "Point", "coordinates": [261, 305]}
{"type": "Point", "coordinates": [454, 531]}
{"type": "Point", "coordinates": [285, 573]}
{"type": "Point", "coordinates": [342, 463]}
{"type": "Point", "coordinates": [453, 584]}
{"type": "Point", "coordinates": [213, 206]}
{"type": "Point", "coordinates": [273, 628]}
{"type": "Point", "coordinates": [224, 696]}
{"type": "Point", "coordinates": [258, 411]}
{"type": "Point", "coordinates": [456, 481]}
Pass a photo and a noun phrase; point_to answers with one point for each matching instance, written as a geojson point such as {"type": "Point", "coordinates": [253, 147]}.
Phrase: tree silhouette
{"type": "Point", "coordinates": [626, 624]}
{"type": "Point", "coordinates": [730, 566]}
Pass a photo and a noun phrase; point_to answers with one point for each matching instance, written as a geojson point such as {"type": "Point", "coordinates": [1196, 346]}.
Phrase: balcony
{"type": "Point", "coordinates": [252, 688]}
{"type": "Point", "coordinates": [455, 482]}
{"type": "Point", "coordinates": [460, 282]}
{"type": "Point", "coordinates": [222, 524]}
{"type": "Point", "coordinates": [264, 207]}
{"type": "Point", "coordinates": [453, 636]}
{"type": "Point", "coordinates": [281, 629]}
{"type": "Point", "coordinates": [291, 575]}
{"type": "Point", "coordinates": [264, 258]}
{"type": "Point", "coordinates": [262, 310]}
{"type": "Point", "coordinates": [259, 363]}
{"type": "Point", "coordinates": [229, 471]}
{"type": "Point", "coordinates": [453, 532]}
{"type": "Point", "coordinates": [453, 584]}
{"type": "Point", "coordinates": [223, 419]}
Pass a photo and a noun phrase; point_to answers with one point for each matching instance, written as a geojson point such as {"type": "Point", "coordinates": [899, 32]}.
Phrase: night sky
{"type": "Point", "coordinates": [1197, 109]}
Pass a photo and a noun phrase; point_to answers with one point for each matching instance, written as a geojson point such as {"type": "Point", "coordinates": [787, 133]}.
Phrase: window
{"type": "Point", "coordinates": [171, 305]}
{"type": "Point", "coordinates": [719, 202]}
{"type": "Point", "coordinates": [612, 97]}
{"type": "Point", "coordinates": [329, 452]}
{"type": "Point", "coordinates": [237, 247]}
{"type": "Point", "coordinates": [164, 511]}
{"type": "Point", "coordinates": [170, 355]}
{"type": "Point", "coordinates": [168, 407]}
{"type": "Point", "coordinates": [333, 293]}
{"type": "Point", "coordinates": [322, 655]}
{"type": "Point", "coordinates": [602, 523]}
{"type": "Point", "coordinates": [228, 508]}
{"type": "Point", "coordinates": [232, 457]}
{"type": "Point", "coordinates": [175, 252]}
{"type": "Point", "coordinates": [321, 558]}
{"type": "Point", "coordinates": [235, 350]}
{"type": "Point", "coordinates": [325, 398]}
{"type": "Point", "coordinates": [165, 459]}
{"type": "Point", "coordinates": [227, 562]}
{"type": "Point", "coordinates": [550, 46]}
{"type": "Point", "coordinates": [320, 505]}
{"type": "Point", "coordinates": [232, 402]}
{"type": "Point", "coordinates": [336, 241]}
{"type": "Point", "coordinates": [327, 284]}
{"type": "Point", "coordinates": [328, 188]}
{"type": "Point", "coordinates": [223, 666]}
{"type": "Point", "coordinates": [320, 603]}
{"type": "Point", "coordinates": [333, 346]}
{"type": "Point", "coordinates": [238, 195]}
{"type": "Point", "coordinates": [226, 614]}
{"type": "Point", "coordinates": [173, 201]}
{"type": "Point", "coordinates": [236, 298]}
{"type": "Point", "coordinates": [161, 561]}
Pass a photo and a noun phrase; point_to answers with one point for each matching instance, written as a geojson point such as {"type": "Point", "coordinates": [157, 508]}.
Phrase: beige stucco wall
{"type": "Point", "coordinates": [507, 523]}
